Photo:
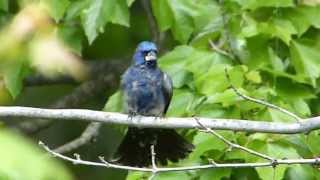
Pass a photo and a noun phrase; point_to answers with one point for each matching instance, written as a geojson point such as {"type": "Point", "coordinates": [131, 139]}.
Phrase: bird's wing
{"type": "Point", "coordinates": [167, 90]}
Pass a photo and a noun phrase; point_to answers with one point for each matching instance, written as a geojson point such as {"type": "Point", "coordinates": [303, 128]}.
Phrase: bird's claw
{"type": "Point", "coordinates": [131, 115]}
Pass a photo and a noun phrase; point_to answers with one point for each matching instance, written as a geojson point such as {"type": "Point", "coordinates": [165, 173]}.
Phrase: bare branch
{"type": "Point", "coordinates": [88, 134]}
{"type": "Point", "coordinates": [39, 80]}
{"type": "Point", "coordinates": [157, 36]}
{"type": "Point", "coordinates": [258, 101]}
{"type": "Point", "coordinates": [226, 33]}
{"type": "Point", "coordinates": [80, 95]}
{"type": "Point", "coordinates": [154, 164]}
{"type": "Point", "coordinates": [173, 122]}
{"type": "Point", "coordinates": [103, 74]}
{"type": "Point", "coordinates": [219, 50]}
{"type": "Point", "coordinates": [106, 164]}
{"type": "Point", "coordinates": [151, 20]}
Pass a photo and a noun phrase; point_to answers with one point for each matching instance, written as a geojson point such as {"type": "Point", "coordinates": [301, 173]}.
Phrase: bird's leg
{"type": "Point", "coordinates": [132, 114]}
{"type": "Point", "coordinates": [161, 116]}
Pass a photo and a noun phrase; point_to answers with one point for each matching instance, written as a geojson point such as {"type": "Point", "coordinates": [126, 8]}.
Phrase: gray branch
{"type": "Point", "coordinates": [87, 135]}
{"type": "Point", "coordinates": [104, 163]}
{"type": "Point", "coordinates": [304, 126]}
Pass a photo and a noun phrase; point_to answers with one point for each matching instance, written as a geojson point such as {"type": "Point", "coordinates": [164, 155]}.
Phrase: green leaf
{"type": "Point", "coordinates": [56, 8]}
{"type": "Point", "coordinates": [244, 173]}
{"type": "Point", "coordinates": [216, 78]}
{"type": "Point", "coordinates": [226, 98]}
{"type": "Point", "coordinates": [183, 17]}
{"type": "Point", "coordinates": [136, 175]}
{"type": "Point", "coordinates": [215, 174]}
{"type": "Point", "coordinates": [22, 160]}
{"type": "Point", "coordinates": [267, 173]}
{"type": "Point", "coordinates": [100, 12]}
{"type": "Point", "coordinates": [313, 141]}
{"type": "Point", "coordinates": [173, 176]}
{"type": "Point", "coordinates": [274, 27]}
{"type": "Point", "coordinates": [174, 62]}
{"type": "Point", "coordinates": [13, 76]}
{"type": "Point", "coordinates": [162, 12]}
{"type": "Point", "coordinates": [183, 25]}
{"type": "Point", "coordinates": [75, 9]}
{"type": "Point", "coordinates": [120, 14]}
{"type": "Point", "coordinates": [253, 76]}
{"type": "Point", "coordinates": [258, 51]}
{"type": "Point", "coordinates": [254, 4]}
{"type": "Point", "coordinates": [4, 5]}
{"type": "Point", "coordinates": [67, 34]}
{"type": "Point", "coordinates": [114, 103]}
{"type": "Point", "coordinates": [130, 2]}
{"type": "Point", "coordinates": [300, 172]}
{"type": "Point", "coordinates": [96, 17]}
{"type": "Point", "coordinates": [181, 102]}
{"type": "Point", "coordinates": [305, 58]}
{"type": "Point", "coordinates": [303, 17]}
{"type": "Point", "coordinates": [274, 148]}
{"type": "Point", "coordinates": [205, 142]}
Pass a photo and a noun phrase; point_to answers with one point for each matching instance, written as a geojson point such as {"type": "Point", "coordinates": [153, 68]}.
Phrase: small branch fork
{"type": "Point", "coordinates": [258, 101]}
{"type": "Point", "coordinates": [272, 162]}
{"type": "Point", "coordinates": [233, 145]}
{"type": "Point", "coordinates": [88, 134]}
{"type": "Point", "coordinates": [154, 164]}
{"type": "Point", "coordinates": [104, 163]}
{"type": "Point", "coordinates": [203, 123]}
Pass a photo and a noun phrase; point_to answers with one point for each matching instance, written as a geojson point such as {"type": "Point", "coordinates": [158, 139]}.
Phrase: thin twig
{"type": "Point", "coordinates": [226, 32]}
{"type": "Point", "coordinates": [219, 50]}
{"type": "Point", "coordinates": [233, 145]}
{"type": "Point", "coordinates": [153, 161]}
{"type": "Point", "coordinates": [106, 164]}
{"type": "Point", "coordinates": [153, 28]}
{"type": "Point", "coordinates": [88, 134]}
{"type": "Point", "coordinates": [258, 101]}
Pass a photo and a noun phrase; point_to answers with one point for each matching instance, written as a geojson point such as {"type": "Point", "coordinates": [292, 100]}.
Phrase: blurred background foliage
{"type": "Point", "coordinates": [71, 53]}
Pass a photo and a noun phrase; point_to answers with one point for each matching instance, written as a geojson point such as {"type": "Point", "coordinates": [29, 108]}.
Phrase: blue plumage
{"type": "Point", "coordinates": [148, 91]}
{"type": "Point", "coordinates": [146, 88]}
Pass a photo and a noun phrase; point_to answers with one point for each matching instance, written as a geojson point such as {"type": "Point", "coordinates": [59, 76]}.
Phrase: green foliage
{"type": "Point", "coordinates": [274, 56]}
{"type": "Point", "coordinates": [100, 12]}
{"type": "Point", "coordinates": [22, 160]}
{"type": "Point", "coordinates": [56, 8]}
{"type": "Point", "coordinates": [279, 63]}
{"type": "Point", "coordinates": [4, 5]}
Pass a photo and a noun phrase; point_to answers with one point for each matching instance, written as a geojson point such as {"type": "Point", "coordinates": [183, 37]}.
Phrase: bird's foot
{"type": "Point", "coordinates": [159, 117]}
{"type": "Point", "coordinates": [131, 115]}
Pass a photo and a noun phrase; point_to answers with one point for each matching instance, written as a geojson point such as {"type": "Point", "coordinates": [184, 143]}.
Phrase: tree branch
{"type": "Point", "coordinates": [258, 101]}
{"type": "Point", "coordinates": [233, 145]}
{"type": "Point", "coordinates": [154, 164]}
{"type": "Point", "coordinates": [103, 74]}
{"type": "Point", "coordinates": [79, 95]}
{"type": "Point", "coordinates": [172, 122]}
{"type": "Point", "coordinates": [104, 163]}
{"type": "Point", "coordinates": [88, 134]}
{"type": "Point", "coordinates": [157, 36]}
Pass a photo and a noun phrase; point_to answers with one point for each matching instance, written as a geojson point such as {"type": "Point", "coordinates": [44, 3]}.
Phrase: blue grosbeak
{"type": "Point", "coordinates": [148, 91]}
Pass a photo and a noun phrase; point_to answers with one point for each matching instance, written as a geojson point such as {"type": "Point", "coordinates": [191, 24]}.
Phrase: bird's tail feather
{"type": "Point", "coordinates": [168, 145]}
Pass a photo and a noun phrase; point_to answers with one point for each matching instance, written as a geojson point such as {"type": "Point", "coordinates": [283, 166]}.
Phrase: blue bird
{"type": "Point", "coordinates": [148, 91]}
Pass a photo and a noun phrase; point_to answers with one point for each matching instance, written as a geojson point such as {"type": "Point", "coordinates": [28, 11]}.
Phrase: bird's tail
{"type": "Point", "coordinates": [168, 145]}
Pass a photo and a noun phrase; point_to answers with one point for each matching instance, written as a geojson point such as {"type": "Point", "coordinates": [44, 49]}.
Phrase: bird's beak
{"type": "Point", "coordinates": [151, 56]}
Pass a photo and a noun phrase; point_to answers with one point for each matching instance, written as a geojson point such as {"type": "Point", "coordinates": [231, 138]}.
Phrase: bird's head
{"type": "Point", "coordinates": [146, 53]}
